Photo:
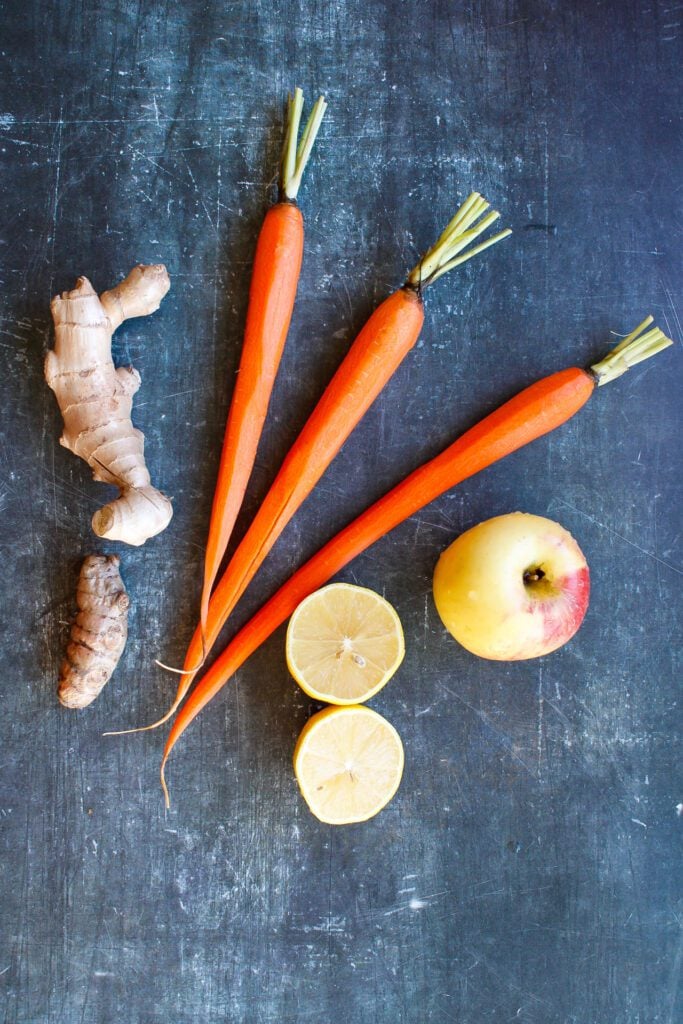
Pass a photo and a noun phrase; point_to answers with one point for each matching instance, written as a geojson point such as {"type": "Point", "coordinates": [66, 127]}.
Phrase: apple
{"type": "Point", "coordinates": [513, 587]}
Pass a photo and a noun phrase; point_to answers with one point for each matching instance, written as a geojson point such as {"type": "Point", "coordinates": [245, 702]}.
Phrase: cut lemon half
{"type": "Point", "coordinates": [348, 763]}
{"type": "Point", "coordinates": [343, 644]}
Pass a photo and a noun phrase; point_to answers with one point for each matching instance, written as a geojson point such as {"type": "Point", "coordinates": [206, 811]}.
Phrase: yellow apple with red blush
{"type": "Point", "coordinates": [513, 587]}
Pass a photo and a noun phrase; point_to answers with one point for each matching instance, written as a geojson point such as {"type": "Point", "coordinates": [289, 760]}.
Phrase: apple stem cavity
{"type": "Point", "coordinates": [447, 253]}
{"type": "Point", "coordinates": [533, 575]}
{"type": "Point", "coordinates": [633, 349]}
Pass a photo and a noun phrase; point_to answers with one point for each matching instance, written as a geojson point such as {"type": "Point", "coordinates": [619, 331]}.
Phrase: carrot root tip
{"type": "Point", "coordinates": [180, 671]}
{"type": "Point", "coordinates": [167, 799]}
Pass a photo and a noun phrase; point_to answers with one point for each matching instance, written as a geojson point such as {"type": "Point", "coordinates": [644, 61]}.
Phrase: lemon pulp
{"type": "Point", "coordinates": [344, 643]}
{"type": "Point", "coordinates": [348, 762]}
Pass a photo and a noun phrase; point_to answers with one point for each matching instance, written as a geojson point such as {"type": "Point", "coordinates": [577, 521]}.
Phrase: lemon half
{"type": "Point", "coordinates": [348, 762]}
{"type": "Point", "coordinates": [343, 644]}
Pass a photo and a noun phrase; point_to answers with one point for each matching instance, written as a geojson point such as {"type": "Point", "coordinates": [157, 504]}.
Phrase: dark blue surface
{"type": "Point", "coordinates": [529, 868]}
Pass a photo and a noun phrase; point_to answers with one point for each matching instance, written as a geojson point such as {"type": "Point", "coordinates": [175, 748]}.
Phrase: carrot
{"type": "Point", "coordinates": [274, 280]}
{"type": "Point", "coordinates": [536, 411]}
{"type": "Point", "coordinates": [277, 264]}
{"type": "Point", "coordinates": [380, 347]}
{"type": "Point", "coordinates": [275, 275]}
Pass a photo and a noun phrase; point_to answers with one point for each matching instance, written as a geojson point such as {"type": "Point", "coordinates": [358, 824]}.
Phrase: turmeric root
{"type": "Point", "coordinates": [98, 634]}
{"type": "Point", "coordinates": [96, 399]}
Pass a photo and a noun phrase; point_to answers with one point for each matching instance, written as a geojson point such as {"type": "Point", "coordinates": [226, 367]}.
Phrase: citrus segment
{"type": "Point", "coordinates": [348, 762]}
{"type": "Point", "coordinates": [343, 644]}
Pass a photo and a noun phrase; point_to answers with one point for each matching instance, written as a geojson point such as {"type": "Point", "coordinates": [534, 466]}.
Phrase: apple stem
{"type": "Point", "coordinates": [447, 252]}
{"type": "Point", "coordinates": [634, 348]}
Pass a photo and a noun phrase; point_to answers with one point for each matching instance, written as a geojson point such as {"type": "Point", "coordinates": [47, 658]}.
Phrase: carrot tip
{"type": "Point", "coordinates": [146, 728]}
{"type": "Point", "coordinates": [167, 799]}
{"type": "Point", "coordinates": [180, 671]}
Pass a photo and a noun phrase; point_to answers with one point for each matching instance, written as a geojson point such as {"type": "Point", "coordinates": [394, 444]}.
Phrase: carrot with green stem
{"type": "Point", "coordinates": [535, 411]}
{"type": "Point", "coordinates": [378, 350]}
{"type": "Point", "coordinates": [274, 280]}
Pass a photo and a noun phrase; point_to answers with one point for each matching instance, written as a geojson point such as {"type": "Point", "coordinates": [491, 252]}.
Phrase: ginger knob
{"type": "Point", "coordinates": [98, 634]}
{"type": "Point", "coordinates": [96, 399]}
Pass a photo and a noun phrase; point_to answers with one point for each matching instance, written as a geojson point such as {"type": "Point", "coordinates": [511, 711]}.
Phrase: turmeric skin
{"type": "Point", "coordinates": [98, 634]}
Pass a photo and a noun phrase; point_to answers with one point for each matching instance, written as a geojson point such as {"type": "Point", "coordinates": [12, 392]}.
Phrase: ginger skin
{"type": "Point", "coordinates": [96, 399]}
{"type": "Point", "coordinates": [98, 634]}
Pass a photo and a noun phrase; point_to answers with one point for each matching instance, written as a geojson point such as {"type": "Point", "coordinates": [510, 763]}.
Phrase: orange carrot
{"type": "Point", "coordinates": [274, 280]}
{"type": "Point", "coordinates": [382, 344]}
{"type": "Point", "coordinates": [532, 413]}
{"type": "Point", "coordinates": [275, 275]}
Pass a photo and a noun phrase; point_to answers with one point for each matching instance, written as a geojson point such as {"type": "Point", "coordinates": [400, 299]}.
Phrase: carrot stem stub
{"type": "Point", "coordinates": [536, 411]}
{"type": "Point", "coordinates": [295, 157]}
{"type": "Point", "coordinates": [447, 253]}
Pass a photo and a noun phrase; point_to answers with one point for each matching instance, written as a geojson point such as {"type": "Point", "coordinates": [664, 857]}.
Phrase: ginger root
{"type": "Point", "coordinates": [96, 399]}
{"type": "Point", "coordinates": [98, 634]}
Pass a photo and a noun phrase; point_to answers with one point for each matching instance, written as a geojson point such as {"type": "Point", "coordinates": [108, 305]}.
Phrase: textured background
{"type": "Point", "coordinates": [526, 870]}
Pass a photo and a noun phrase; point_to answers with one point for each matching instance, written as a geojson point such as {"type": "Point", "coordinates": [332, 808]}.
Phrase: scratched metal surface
{"type": "Point", "coordinates": [527, 868]}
